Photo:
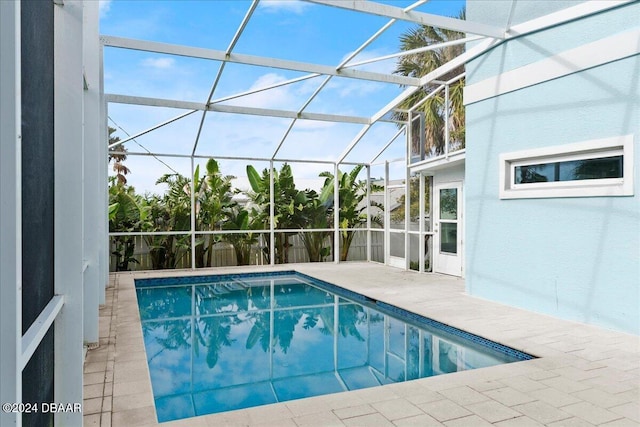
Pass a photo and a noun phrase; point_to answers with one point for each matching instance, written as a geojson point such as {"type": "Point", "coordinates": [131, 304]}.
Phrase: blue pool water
{"type": "Point", "coordinates": [218, 343]}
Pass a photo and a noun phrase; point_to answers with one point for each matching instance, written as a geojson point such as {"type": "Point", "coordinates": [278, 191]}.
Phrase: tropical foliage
{"type": "Point", "coordinates": [352, 210]}
{"type": "Point", "coordinates": [170, 212]}
{"type": "Point", "coordinates": [213, 207]}
{"type": "Point", "coordinates": [287, 207]}
{"type": "Point", "coordinates": [126, 214]}
{"type": "Point", "coordinates": [306, 215]}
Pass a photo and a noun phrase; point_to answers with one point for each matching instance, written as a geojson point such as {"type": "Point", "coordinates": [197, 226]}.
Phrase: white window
{"type": "Point", "coordinates": [602, 167]}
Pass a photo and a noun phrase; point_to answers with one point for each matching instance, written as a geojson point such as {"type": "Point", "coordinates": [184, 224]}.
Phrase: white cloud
{"type": "Point", "coordinates": [283, 5]}
{"type": "Point", "coordinates": [386, 66]}
{"type": "Point", "coordinates": [160, 63]}
{"type": "Point", "coordinates": [280, 97]}
{"type": "Point", "coordinates": [104, 6]}
{"type": "Point", "coordinates": [349, 88]}
{"type": "Point", "coordinates": [359, 89]}
{"type": "Point", "coordinates": [267, 80]}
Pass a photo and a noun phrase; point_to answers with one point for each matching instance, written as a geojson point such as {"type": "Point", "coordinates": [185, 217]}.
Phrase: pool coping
{"type": "Point", "coordinates": [576, 363]}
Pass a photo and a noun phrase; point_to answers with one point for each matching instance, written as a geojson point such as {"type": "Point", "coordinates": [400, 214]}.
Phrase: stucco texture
{"type": "Point", "coordinates": [575, 258]}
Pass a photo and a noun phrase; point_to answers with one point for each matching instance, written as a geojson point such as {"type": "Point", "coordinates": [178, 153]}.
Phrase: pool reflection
{"type": "Point", "coordinates": [222, 346]}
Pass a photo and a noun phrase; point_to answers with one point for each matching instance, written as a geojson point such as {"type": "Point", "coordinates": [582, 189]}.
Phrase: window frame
{"type": "Point", "coordinates": [593, 149]}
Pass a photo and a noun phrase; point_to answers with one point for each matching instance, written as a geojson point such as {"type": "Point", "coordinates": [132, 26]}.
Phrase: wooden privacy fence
{"type": "Point", "coordinates": [223, 254]}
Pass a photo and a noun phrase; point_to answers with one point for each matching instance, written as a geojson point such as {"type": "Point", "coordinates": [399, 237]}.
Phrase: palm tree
{"type": "Point", "coordinates": [420, 64]}
{"type": "Point", "coordinates": [118, 167]}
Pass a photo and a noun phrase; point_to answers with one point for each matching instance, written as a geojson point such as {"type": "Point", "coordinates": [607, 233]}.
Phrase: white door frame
{"type": "Point", "coordinates": [451, 260]}
{"type": "Point", "coordinates": [391, 260]}
{"type": "Point", "coordinates": [399, 233]}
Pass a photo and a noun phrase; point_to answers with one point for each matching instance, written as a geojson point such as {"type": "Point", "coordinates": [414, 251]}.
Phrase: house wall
{"type": "Point", "coordinates": [574, 258]}
{"type": "Point", "coordinates": [449, 174]}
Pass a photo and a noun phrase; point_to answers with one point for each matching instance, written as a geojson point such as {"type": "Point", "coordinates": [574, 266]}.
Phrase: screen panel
{"type": "Point", "coordinates": [37, 55]}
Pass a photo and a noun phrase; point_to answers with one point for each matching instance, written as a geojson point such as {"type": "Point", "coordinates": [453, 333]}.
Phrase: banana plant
{"type": "Point", "coordinates": [287, 207]}
{"type": "Point", "coordinates": [314, 211]}
{"type": "Point", "coordinates": [125, 215]}
{"type": "Point", "coordinates": [352, 209]}
{"type": "Point", "coordinates": [213, 198]}
{"type": "Point", "coordinates": [239, 219]}
{"type": "Point", "coordinates": [170, 212]}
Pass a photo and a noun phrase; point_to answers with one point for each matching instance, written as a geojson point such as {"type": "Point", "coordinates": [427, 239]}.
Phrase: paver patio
{"type": "Point", "coordinates": [583, 376]}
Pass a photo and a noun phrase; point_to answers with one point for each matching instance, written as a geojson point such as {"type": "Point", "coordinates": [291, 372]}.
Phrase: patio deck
{"type": "Point", "coordinates": [584, 376]}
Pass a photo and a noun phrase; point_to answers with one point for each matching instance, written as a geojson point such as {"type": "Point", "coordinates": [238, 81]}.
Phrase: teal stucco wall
{"type": "Point", "coordinates": [574, 258]}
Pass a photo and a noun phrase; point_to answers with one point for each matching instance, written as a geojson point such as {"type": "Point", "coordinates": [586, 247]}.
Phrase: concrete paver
{"type": "Point", "coordinates": [591, 413]}
{"type": "Point", "coordinates": [493, 411]}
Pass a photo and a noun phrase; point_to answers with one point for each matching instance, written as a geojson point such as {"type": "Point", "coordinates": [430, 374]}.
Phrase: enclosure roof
{"type": "Point", "coordinates": [279, 69]}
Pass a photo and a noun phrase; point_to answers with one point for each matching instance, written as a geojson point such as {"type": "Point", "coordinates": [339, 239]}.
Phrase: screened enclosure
{"type": "Point", "coordinates": [285, 132]}
{"type": "Point", "coordinates": [299, 163]}
{"type": "Point", "coordinates": [262, 147]}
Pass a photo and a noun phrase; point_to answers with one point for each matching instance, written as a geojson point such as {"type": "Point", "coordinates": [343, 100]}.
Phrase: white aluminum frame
{"type": "Point", "coordinates": [94, 215]}
{"type": "Point", "coordinates": [68, 201]}
{"type": "Point", "coordinates": [218, 55]}
{"type": "Point", "coordinates": [232, 44]}
{"type": "Point", "coordinates": [10, 211]}
{"type": "Point", "coordinates": [482, 38]}
{"type": "Point", "coordinates": [64, 312]}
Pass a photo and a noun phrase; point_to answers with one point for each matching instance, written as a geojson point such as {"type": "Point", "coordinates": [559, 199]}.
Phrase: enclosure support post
{"type": "Point", "coordinates": [431, 222]}
{"type": "Point", "coordinates": [93, 210]}
{"type": "Point", "coordinates": [10, 210]}
{"type": "Point", "coordinates": [407, 204]}
{"type": "Point", "coordinates": [272, 234]}
{"type": "Point", "coordinates": [446, 121]}
{"type": "Point", "coordinates": [421, 218]}
{"type": "Point", "coordinates": [387, 221]}
{"type": "Point", "coordinates": [105, 250]}
{"type": "Point", "coordinates": [336, 213]}
{"type": "Point", "coordinates": [193, 217]}
{"type": "Point", "coordinates": [68, 201]}
{"type": "Point", "coordinates": [103, 228]}
{"type": "Point", "coordinates": [368, 213]}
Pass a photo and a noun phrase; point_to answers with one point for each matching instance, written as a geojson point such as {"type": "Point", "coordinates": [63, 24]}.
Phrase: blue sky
{"type": "Point", "coordinates": [281, 29]}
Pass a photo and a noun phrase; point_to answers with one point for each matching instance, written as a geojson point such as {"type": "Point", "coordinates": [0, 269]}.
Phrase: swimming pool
{"type": "Point", "coordinates": [225, 342]}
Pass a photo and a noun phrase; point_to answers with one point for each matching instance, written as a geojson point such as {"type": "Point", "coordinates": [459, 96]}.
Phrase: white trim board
{"type": "Point", "coordinates": [416, 17]}
{"type": "Point", "coordinates": [564, 15]}
{"type": "Point", "coordinates": [580, 58]}
{"type": "Point", "coordinates": [438, 163]}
